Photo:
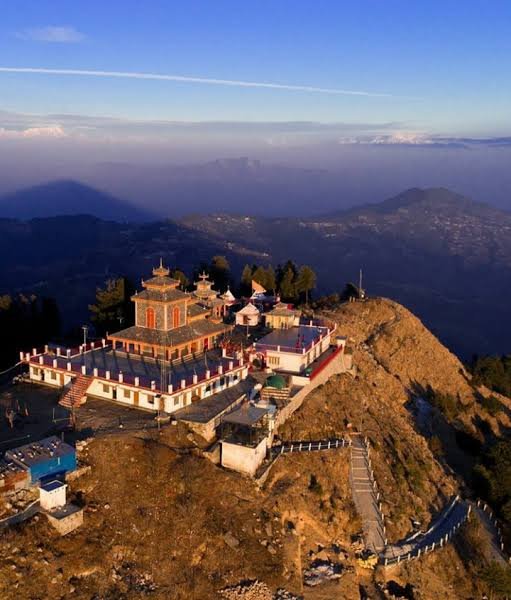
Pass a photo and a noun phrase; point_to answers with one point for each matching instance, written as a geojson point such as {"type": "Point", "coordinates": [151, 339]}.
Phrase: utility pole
{"type": "Point", "coordinates": [85, 331]}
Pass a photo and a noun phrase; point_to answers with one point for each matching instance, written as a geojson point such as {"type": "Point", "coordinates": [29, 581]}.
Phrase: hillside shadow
{"type": "Point", "coordinates": [454, 448]}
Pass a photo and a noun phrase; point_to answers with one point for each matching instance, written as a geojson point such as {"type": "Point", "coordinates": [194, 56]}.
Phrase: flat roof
{"type": "Point", "coordinates": [146, 368]}
{"type": "Point", "coordinates": [50, 486]}
{"type": "Point", "coordinates": [293, 337]}
{"type": "Point", "coordinates": [41, 451]}
{"type": "Point", "coordinates": [210, 408]}
{"type": "Point", "coordinates": [149, 368]}
{"type": "Point", "coordinates": [64, 511]}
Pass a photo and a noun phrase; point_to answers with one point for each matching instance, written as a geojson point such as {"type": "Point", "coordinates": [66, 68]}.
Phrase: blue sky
{"type": "Point", "coordinates": [443, 65]}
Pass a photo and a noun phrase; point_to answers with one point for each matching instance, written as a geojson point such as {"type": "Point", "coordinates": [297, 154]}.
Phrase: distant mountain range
{"type": "Point", "coordinates": [66, 197]}
{"type": "Point", "coordinates": [442, 255]}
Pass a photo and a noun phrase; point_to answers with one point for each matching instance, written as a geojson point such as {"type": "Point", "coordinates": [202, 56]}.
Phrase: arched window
{"type": "Point", "coordinates": [175, 317]}
{"type": "Point", "coordinates": [150, 319]}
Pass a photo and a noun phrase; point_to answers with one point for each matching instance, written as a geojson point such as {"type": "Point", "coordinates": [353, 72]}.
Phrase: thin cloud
{"type": "Point", "coordinates": [53, 34]}
{"type": "Point", "coordinates": [189, 79]}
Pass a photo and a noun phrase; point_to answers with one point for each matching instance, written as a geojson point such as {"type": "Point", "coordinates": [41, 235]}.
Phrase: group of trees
{"type": "Point", "coordinates": [494, 372]}
{"type": "Point", "coordinates": [26, 321]}
{"type": "Point", "coordinates": [293, 283]}
{"type": "Point", "coordinates": [113, 308]}
{"type": "Point", "coordinates": [493, 477]}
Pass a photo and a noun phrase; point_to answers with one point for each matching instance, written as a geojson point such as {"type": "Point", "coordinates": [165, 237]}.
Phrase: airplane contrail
{"type": "Point", "coordinates": [188, 79]}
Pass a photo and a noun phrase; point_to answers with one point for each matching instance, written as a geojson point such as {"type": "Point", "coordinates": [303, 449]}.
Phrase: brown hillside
{"type": "Point", "coordinates": [162, 522]}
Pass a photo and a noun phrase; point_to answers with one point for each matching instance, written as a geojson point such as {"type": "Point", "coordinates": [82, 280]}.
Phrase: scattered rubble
{"type": "Point", "coordinates": [141, 583]}
{"type": "Point", "coordinates": [321, 571]}
{"type": "Point", "coordinates": [256, 590]}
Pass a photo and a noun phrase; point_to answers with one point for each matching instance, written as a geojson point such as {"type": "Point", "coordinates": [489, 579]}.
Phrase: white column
{"type": "Point", "coordinates": [137, 381]}
{"type": "Point", "coordinates": [68, 366]}
{"type": "Point", "coordinates": [121, 377]}
{"type": "Point", "coordinates": [183, 383]}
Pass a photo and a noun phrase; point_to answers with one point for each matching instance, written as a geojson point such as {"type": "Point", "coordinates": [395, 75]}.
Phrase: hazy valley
{"type": "Point", "coordinates": [445, 257]}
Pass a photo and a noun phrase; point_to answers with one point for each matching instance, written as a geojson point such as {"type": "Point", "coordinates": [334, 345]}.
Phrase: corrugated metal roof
{"type": "Point", "coordinates": [247, 414]}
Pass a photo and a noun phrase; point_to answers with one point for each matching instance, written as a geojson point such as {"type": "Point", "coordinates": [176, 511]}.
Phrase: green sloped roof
{"type": "Point", "coordinates": [275, 381]}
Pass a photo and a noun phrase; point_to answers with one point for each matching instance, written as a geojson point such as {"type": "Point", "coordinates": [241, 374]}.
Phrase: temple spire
{"type": "Point", "coordinates": [161, 271]}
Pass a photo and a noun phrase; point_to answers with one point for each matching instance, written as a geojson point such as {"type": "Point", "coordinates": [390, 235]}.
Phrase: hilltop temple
{"type": "Point", "coordinates": [170, 323]}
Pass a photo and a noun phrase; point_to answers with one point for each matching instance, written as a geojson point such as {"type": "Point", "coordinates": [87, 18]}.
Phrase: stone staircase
{"type": "Point", "coordinates": [365, 496]}
{"type": "Point", "coordinates": [74, 395]}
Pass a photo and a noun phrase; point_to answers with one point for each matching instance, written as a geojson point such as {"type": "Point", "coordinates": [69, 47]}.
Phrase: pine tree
{"type": "Point", "coordinates": [306, 281]}
{"type": "Point", "coordinates": [246, 280]}
{"type": "Point", "coordinates": [271, 281]}
{"type": "Point", "coordinates": [260, 275]}
{"type": "Point", "coordinates": [113, 307]}
{"type": "Point", "coordinates": [287, 286]}
{"type": "Point", "coordinates": [184, 282]}
{"type": "Point", "coordinates": [220, 272]}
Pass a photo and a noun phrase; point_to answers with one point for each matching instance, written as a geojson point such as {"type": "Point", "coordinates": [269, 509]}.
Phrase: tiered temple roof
{"type": "Point", "coordinates": [169, 318]}
{"type": "Point", "coordinates": [174, 337]}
